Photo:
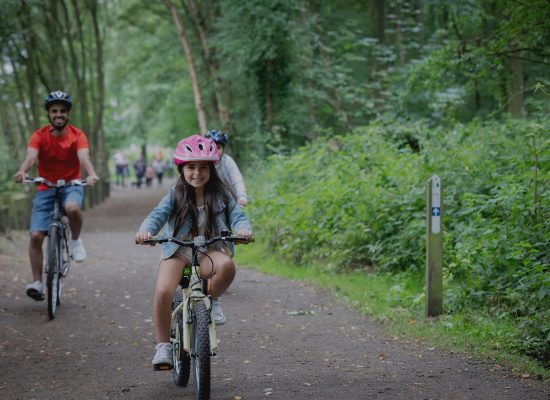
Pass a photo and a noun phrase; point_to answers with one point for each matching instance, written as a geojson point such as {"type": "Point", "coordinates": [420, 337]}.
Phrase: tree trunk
{"type": "Point", "coordinates": [9, 135]}
{"type": "Point", "coordinates": [376, 26]}
{"type": "Point", "coordinates": [399, 38]}
{"type": "Point", "coordinates": [19, 85]}
{"type": "Point", "coordinates": [210, 60]}
{"type": "Point", "coordinates": [99, 103]}
{"type": "Point", "coordinates": [201, 118]}
{"type": "Point", "coordinates": [54, 61]}
{"type": "Point", "coordinates": [79, 76]}
{"type": "Point", "coordinates": [515, 100]}
{"type": "Point", "coordinates": [17, 119]}
{"type": "Point", "coordinates": [29, 38]}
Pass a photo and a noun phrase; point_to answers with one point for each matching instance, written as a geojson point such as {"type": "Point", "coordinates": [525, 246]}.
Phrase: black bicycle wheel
{"type": "Point", "coordinates": [65, 258]}
{"type": "Point", "coordinates": [201, 352]}
{"type": "Point", "coordinates": [52, 277]}
{"type": "Point", "coordinates": [182, 360]}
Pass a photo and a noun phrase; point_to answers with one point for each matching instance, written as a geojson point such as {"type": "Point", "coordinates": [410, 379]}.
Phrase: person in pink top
{"type": "Point", "coordinates": [60, 149]}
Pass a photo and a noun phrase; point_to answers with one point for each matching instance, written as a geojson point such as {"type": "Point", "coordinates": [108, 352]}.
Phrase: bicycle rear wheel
{"type": "Point", "coordinates": [53, 275]}
{"type": "Point", "coordinates": [201, 351]}
{"type": "Point", "coordinates": [182, 360]}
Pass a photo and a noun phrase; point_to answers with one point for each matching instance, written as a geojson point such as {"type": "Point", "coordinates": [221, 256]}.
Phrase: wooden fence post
{"type": "Point", "coordinates": [434, 249]}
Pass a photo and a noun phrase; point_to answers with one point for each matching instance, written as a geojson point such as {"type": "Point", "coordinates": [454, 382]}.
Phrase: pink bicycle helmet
{"type": "Point", "coordinates": [195, 148]}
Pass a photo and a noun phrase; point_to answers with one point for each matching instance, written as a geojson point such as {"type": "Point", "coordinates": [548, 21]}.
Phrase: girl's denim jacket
{"type": "Point", "coordinates": [158, 219]}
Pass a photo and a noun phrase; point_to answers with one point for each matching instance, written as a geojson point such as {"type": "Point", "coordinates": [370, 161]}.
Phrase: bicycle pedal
{"type": "Point", "coordinates": [162, 367]}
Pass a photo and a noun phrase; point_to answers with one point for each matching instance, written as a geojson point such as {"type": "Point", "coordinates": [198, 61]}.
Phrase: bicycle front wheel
{"type": "Point", "coordinates": [201, 351]}
{"type": "Point", "coordinates": [53, 276]}
{"type": "Point", "coordinates": [181, 358]}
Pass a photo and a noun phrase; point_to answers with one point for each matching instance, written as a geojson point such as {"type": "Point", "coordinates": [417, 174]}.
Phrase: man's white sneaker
{"type": "Point", "coordinates": [35, 290]}
{"type": "Point", "coordinates": [219, 318]}
{"type": "Point", "coordinates": [78, 251]}
{"type": "Point", "coordinates": [162, 361]}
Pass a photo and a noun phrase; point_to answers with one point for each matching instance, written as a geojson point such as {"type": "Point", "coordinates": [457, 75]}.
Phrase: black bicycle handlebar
{"type": "Point", "coordinates": [60, 183]}
{"type": "Point", "coordinates": [198, 242]}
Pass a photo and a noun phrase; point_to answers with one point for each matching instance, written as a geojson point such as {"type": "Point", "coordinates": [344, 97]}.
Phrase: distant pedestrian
{"type": "Point", "coordinates": [159, 166]}
{"type": "Point", "coordinates": [139, 168]}
{"type": "Point", "coordinates": [149, 175]}
{"type": "Point", "coordinates": [121, 167]}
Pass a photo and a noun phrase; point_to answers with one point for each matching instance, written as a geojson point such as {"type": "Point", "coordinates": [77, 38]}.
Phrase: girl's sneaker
{"type": "Point", "coordinates": [219, 318]}
{"type": "Point", "coordinates": [162, 361]}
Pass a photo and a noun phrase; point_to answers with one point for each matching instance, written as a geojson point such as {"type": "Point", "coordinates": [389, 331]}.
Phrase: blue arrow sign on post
{"type": "Point", "coordinates": [436, 211]}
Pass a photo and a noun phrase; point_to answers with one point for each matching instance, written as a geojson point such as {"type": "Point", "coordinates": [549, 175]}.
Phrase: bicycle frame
{"type": "Point", "coordinates": [59, 220]}
{"type": "Point", "coordinates": [58, 255]}
{"type": "Point", "coordinates": [192, 295]}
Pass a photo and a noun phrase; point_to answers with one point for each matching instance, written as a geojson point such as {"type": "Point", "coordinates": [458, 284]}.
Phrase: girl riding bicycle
{"type": "Point", "coordinates": [199, 205]}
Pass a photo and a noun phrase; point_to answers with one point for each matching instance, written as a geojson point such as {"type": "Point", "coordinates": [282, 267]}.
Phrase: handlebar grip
{"type": "Point", "coordinates": [152, 241]}
{"type": "Point", "coordinates": [243, 240]}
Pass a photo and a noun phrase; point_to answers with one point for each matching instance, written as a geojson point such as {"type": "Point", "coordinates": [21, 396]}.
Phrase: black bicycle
{"type": "Point", "coordinates": [196, 338]}
{"type": "Point", "coordinates": [58, 254]}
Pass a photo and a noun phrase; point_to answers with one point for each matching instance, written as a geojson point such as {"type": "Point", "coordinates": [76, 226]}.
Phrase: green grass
{"type": "Point", "coordinates": [397, 302]}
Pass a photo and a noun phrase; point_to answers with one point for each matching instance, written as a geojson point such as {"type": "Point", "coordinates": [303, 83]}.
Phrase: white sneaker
{"type": "Point", "coordinates": [219, 318]}
{"type": "Point", "coordinates": [35, 290]}
{"type": "Point", "coordinates": [78, 252]}
{"type": "Point", "coordinates": [162, 361]}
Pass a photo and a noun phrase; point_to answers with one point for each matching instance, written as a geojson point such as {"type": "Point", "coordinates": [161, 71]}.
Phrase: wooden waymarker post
{"type": "Point", "coordinates": [434, 249]}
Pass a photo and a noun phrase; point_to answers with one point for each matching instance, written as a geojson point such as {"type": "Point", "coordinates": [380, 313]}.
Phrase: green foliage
{"type": "Point", "coordinates": [345, 201]}
{"type": "Point", "coordinates": [358, 202]}
{"type": "Point", "coordinates": [463, 70]}
{"type": "Point", "coordinates": [148, 88]}
{"type": "Point", "coordinates": [497, 246]}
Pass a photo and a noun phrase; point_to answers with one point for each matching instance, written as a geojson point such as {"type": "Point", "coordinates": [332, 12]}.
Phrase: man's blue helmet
{"type": "Point", "coordinates": [217, 136]}
{"type": "Point", "coordinates": [58, 97]}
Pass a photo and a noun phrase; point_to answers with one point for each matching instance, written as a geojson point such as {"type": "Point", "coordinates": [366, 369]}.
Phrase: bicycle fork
{"type": "Point", "coordinates": [187, 317]}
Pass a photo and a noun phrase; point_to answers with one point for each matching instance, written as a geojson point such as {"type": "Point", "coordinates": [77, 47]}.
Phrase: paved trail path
{"type": "Point", "coordinates": [283, 339]}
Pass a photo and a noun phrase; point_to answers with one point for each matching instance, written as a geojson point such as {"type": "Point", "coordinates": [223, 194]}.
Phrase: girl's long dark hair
{"type": "Point", "coordinates": [185, 203]}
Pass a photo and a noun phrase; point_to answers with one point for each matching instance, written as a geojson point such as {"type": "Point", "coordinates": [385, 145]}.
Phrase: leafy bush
{"type": "Point", "coordinates": [344, 201]}
{"type": "Point", "coordinates": [357, 202]}
{"type": "Point", "coordinates": [497, 245]}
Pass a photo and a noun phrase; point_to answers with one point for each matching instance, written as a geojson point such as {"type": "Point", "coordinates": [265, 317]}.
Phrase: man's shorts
{"type": "Point", "coordinates": [43, 204]}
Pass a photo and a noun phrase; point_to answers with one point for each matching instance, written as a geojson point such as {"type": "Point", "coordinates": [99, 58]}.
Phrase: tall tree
{"type": "Point", "coordinates": [197, 96]}
{"type": "Point", "coordinates": [197, 16]}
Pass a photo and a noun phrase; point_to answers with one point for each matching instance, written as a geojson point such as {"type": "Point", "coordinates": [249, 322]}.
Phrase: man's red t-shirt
{"type": "Point", "coordinates": [57, 156]}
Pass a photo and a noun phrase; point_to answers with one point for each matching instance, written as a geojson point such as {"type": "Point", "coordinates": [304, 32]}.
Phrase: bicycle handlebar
{"type": "Point", "coordinates": [60, 182]}
{"type": "Point", "coordinates": [199, 241]}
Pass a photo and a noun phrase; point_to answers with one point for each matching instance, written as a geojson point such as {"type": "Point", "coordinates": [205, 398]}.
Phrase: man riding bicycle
{"type": "Point", "coordinates": [60, 149]}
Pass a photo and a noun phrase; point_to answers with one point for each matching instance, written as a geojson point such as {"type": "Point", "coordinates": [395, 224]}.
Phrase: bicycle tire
{"type": "Point", "coordinates": [52, 277]}
{"type": "Point", "coordinates": [201, 351]}
{"type": "Point", "coordinates": [65, 259]}
{"type": "Point", "coordinates": [181, 358]}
